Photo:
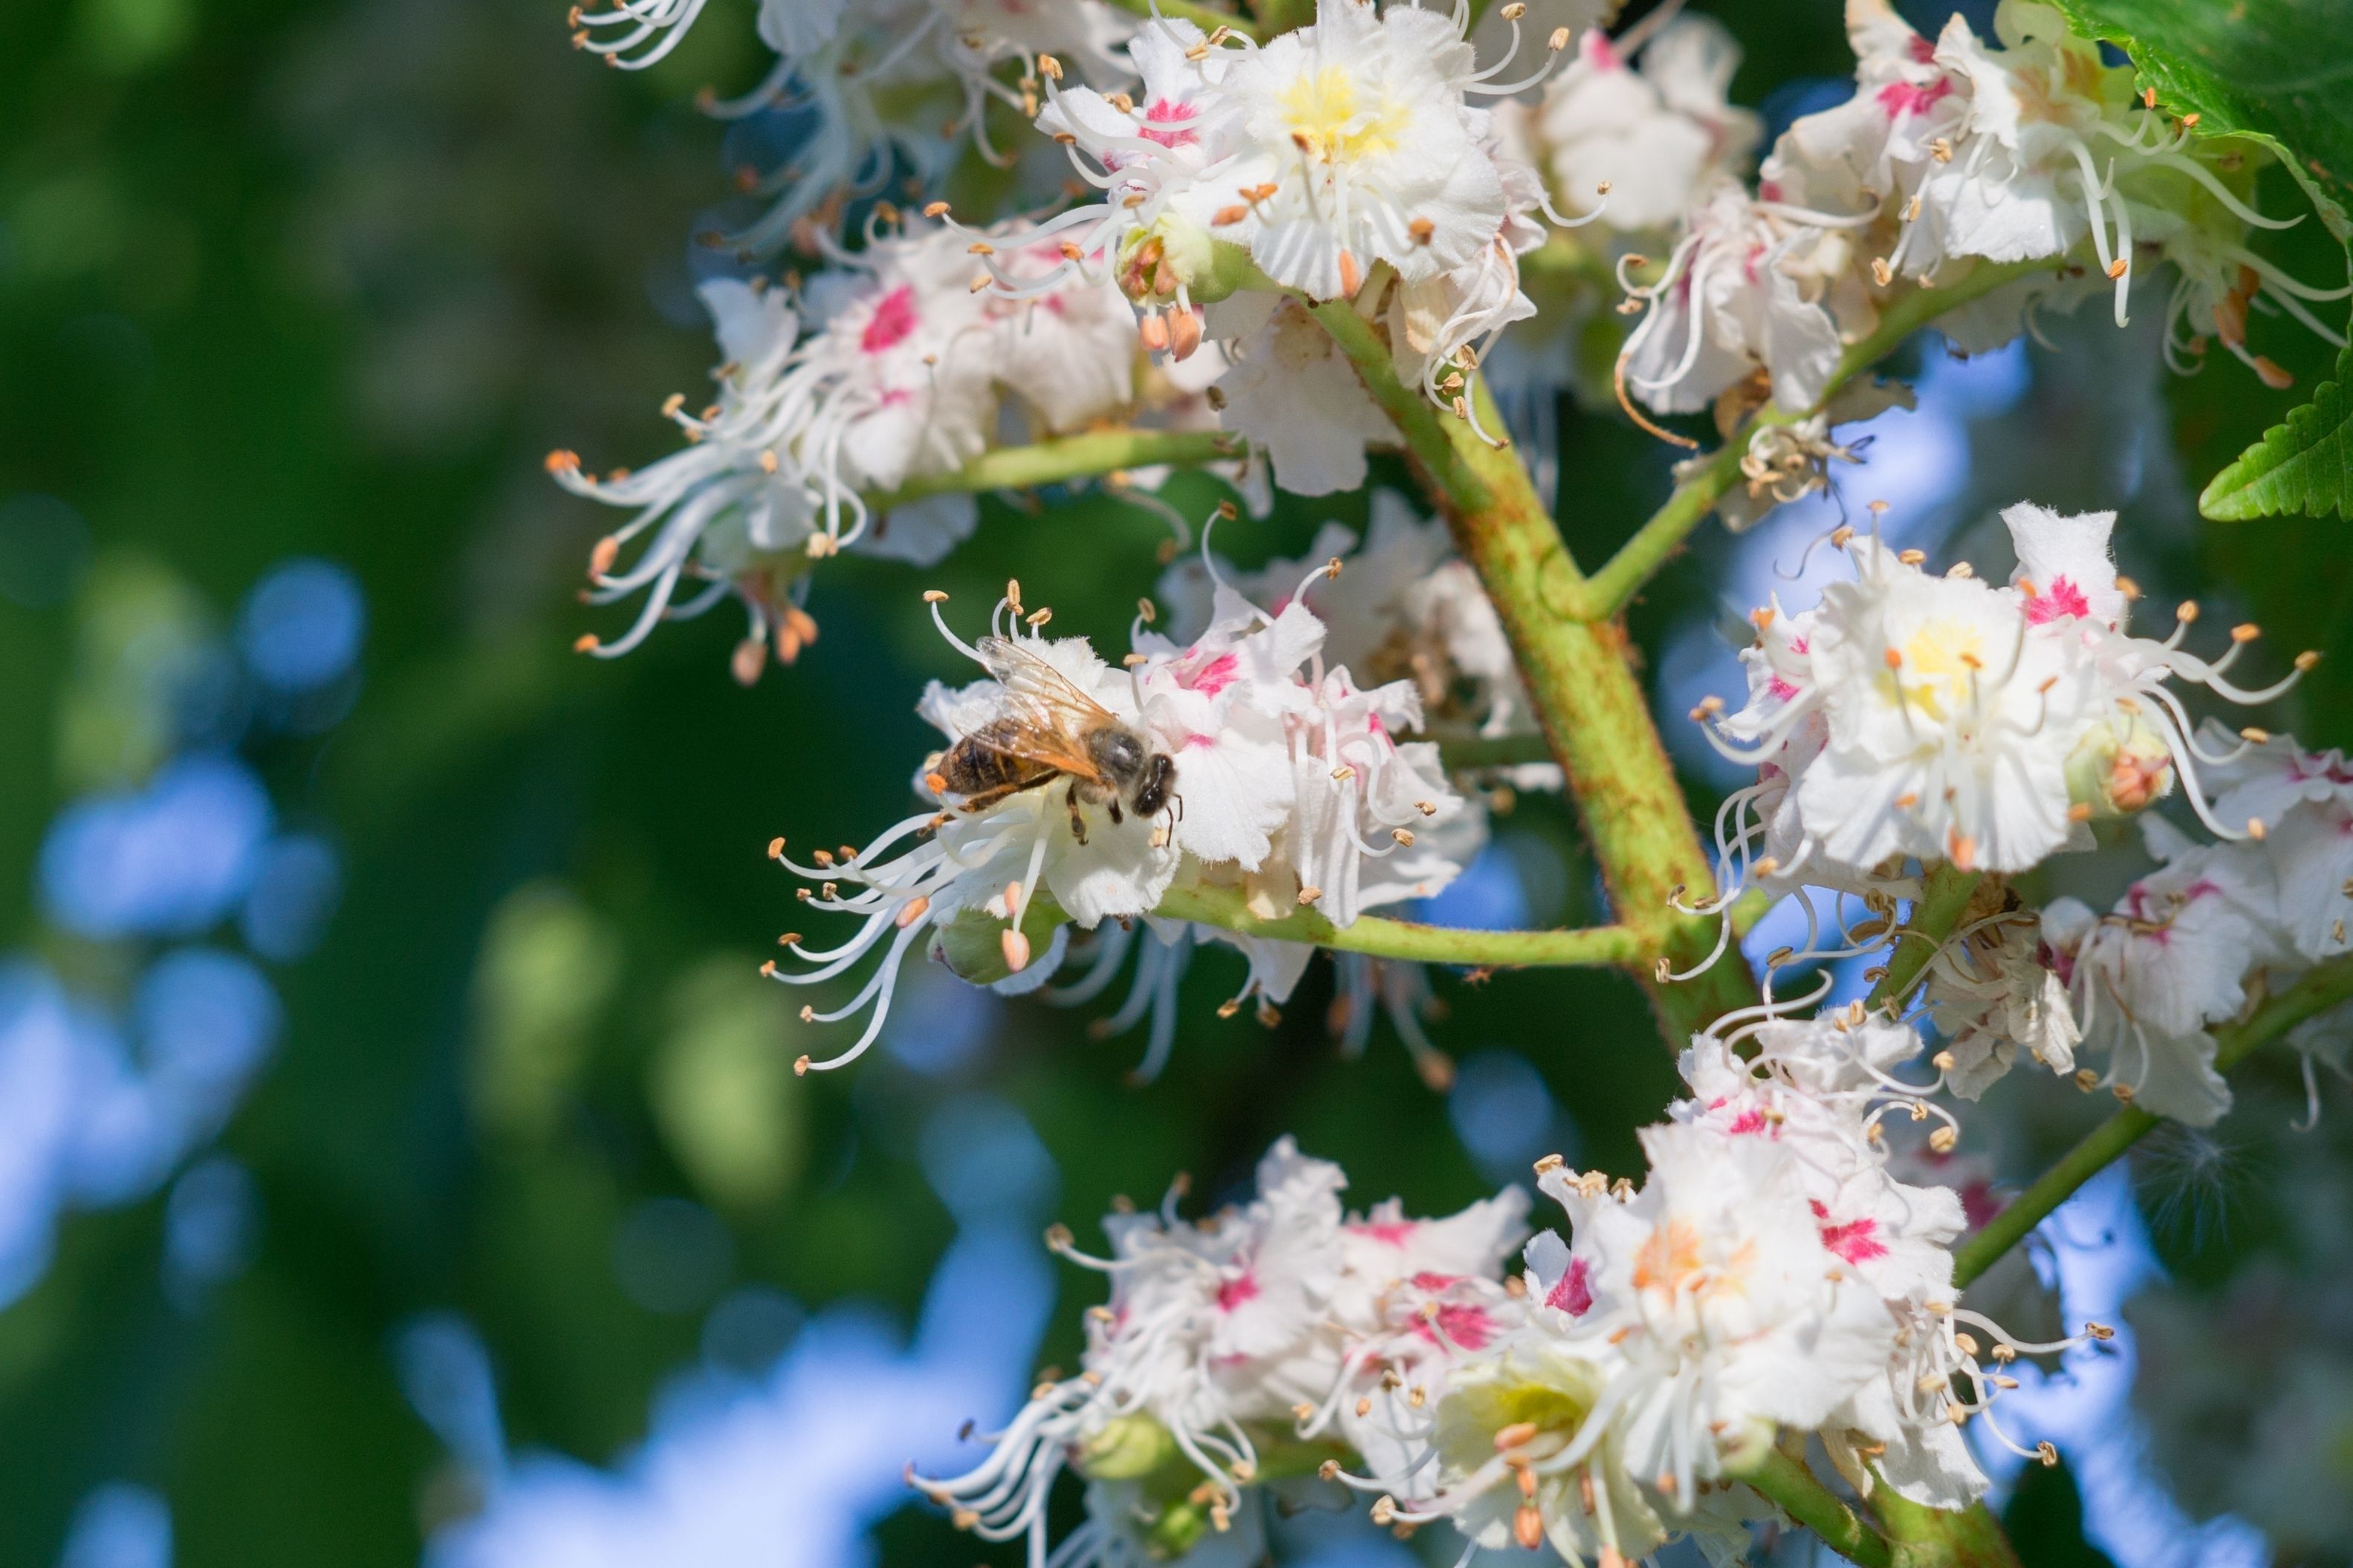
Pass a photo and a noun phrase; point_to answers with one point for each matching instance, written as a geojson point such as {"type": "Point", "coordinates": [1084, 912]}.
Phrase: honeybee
{"type": "Point", "coordinates": [1045, 729]}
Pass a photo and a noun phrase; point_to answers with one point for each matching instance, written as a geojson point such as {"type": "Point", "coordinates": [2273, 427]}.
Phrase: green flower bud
{"type": "Point", "coordinates": [981, 950]}
{"type": "Point", "coordinates": [1156, 262]}
{"type": "Point", "coordinates": [1129, 1450]}
{"type": "Point", "coordinates": [2120, 767]}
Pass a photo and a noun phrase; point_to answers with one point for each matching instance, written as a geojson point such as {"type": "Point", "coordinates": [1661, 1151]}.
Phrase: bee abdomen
{"type": "Point", "coordinates": [979, 763]}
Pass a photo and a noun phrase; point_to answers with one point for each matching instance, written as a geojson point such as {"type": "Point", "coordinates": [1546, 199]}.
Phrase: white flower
{"type": "Point", "coordinates": [1857, 154]}
{"type": "Point", "coordinates": [1822, 1088]}
{"type": "Point", "coordinates": [1655, 135]}
{"type": "Point", "coordinates": [2304, 800]}
{"type": "Point", "coordinates": [1514, 1413]}
{"type": "Point", "coordinates": [1404, 608]}
{"type": "Point", "coordinates": [1947, 727]}
{"type": "Point", "coordinates": [1294, 395]}
{"type": "Point", "coordinates": [1069, 354]}
{"type": "Point", "coordinates": [1947, 719]}
{"type": "Point", "coordinates": [877, 78]}
{"type": "Point", "coordinates": [1330, 151]}
{"type": "Point", "coordinates": [1418, 1299]}
{"type": "Point", "coordinates": [1209, 1325]}
{"type": "Point", "coordinates": [2064, 568]}
{"type": "Point", "coordinates": [2172, 959]}
{"type": "Point", "coordinates": [1442, 328]}
{"type": "Point", "coordinates": [899, 381]}
{"type": "Point", "coordinates": [1994, 995]}
{"type": "Point", "coordinates": [1359, 123]}
{"type": "Point", "coordinates": [1242, 760]}
{"type": "Point", "coordinates": [1278, 1322]}
{"type": "Point", "coordinates": [2036, 151]}
{"type": "Point", "coordinates": [1748, 288]}
{"type": "Point", "coordinates": [1368, 801]}
{"type": "Point", "coordinates": [1737, 1317]}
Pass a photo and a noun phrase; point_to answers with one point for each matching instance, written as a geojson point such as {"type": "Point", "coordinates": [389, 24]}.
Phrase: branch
{"type": "Point", "coordinates": [1283, 15]}
{"type": "Point", "coordinates": [1228, 909]}
{"type": "Point", "coordinates": [1926, 1537]}
{"type": "Point", "coordinates": [1208, 18]}
{"type": "Point", "coordinates": [1494, 751]}
{"type": "Point", "coordinates": [2321, 989]}
{"type": "Point", "coordinates": [1589, 701]}
{"type": "Point", "coordinates": [1788, 1483]}
{"type": "Point", "coordinates": [1935, 917]}
{"type": "Point", "coordinates": [1606, 592]}
{"type": "Point", "coordinates": [1067, 458]}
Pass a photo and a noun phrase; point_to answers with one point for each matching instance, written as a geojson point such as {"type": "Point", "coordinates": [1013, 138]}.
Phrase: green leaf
{"type": "Point", "coordinates": [2274, 70]}
{"type": "Point", "coordinates": [2303, 465]}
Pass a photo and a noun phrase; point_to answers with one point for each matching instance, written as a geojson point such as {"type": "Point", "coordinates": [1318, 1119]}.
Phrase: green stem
{"type": "Point", "coordinates": [1935, 917]}
{"type": "Point", "coordinates": [1494, 751]}
{"type": "Point", "coordinates": [1787, 1482]}
{"type": "Point", "coordinates": [1208, 18]}
{"type": "Point", "coordinates": [1606, 592]}
{"type": "Point", "coordinates": [1281, 15]}
{"type": "Point", "coordinates": [1589, 700]}
{"type": "Point", "coordinates": [1228, 909]}
{"type": "Point", "coordinates": [1925, 1537]}
{"type": "Point", "coordinates": [1067, 458]}
{"type": "Point", "coordinates": [2321, 989]}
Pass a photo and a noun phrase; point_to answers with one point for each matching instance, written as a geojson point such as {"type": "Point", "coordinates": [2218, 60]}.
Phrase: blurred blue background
{"type": "Point", "coordinates": [400, 1160]}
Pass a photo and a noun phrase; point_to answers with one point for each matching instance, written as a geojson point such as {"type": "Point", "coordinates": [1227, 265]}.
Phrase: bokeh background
{"type": "Point", "coordinates": [399, 1155]}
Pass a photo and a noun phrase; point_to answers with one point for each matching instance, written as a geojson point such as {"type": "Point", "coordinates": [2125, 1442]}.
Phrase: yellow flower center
{"type": "Point", "coordinates": [1671, 1260]}
{"type": "Point", "coordinates": [1941, 661]}
{"type": "Point", "coordinates": [1322, 115]}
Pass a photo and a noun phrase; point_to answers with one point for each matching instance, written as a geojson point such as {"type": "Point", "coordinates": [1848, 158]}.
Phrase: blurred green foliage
{"type": "Point", "coordinates": [327, 276]}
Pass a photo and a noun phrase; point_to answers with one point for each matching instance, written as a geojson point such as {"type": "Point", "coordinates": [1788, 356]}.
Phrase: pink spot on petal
{"type": "Point", "coordinates": [1781, 690]}
{"type": "Point", "coordinates": [1574, 1294]}
{"type": "Point", "coordinates": [1396, 1232]}
{"type": "Point", "coordinates": [1426, 1281]}
{"type": "Point", "coordinates": [1211, 678]}
{"type": "Point", "coordinates": [2064, 599]}
{"type": "Point", "coordinates": [1233, 1292]}
{"type": "Point", "coordinates": [1924, 49]}
{"type": "Point", "coordinates": [1464, 1326]}
{"type": "Point", "coordinates": [892, 320]}
{"type": "Point", "coordinates": [1855, 1240]}
{"type": "Point", "coordinates": [1163, 111]}
{"type": "Point", "coordinates": [1898, 99]}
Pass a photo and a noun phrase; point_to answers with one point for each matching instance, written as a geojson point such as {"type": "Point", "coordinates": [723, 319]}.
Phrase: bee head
{"type": "Point", "coordinates": [1160, 777]}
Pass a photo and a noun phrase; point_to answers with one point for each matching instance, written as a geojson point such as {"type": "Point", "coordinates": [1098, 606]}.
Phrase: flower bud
{"type": "Point", "coordinates": [974, 948]}
{"type": "Point", "coordinates": [2120, 767]}
{"type": "Point", "coordinates": [1128, 1448]}
{"type": "Point", "coordinates": [1175, 254]}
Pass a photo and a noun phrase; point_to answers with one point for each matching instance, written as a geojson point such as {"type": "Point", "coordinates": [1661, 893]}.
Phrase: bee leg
{"type": "Point", "coordinates": [1078, 822]}
{"type": "Point", "coordinates": [988, 799]}
{"type": "Point", "coordinates": [1117, 818]}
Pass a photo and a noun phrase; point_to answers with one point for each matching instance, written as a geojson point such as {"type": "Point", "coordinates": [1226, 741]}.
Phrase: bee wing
{"type": "Point", "coordinates": [1048, 716]}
